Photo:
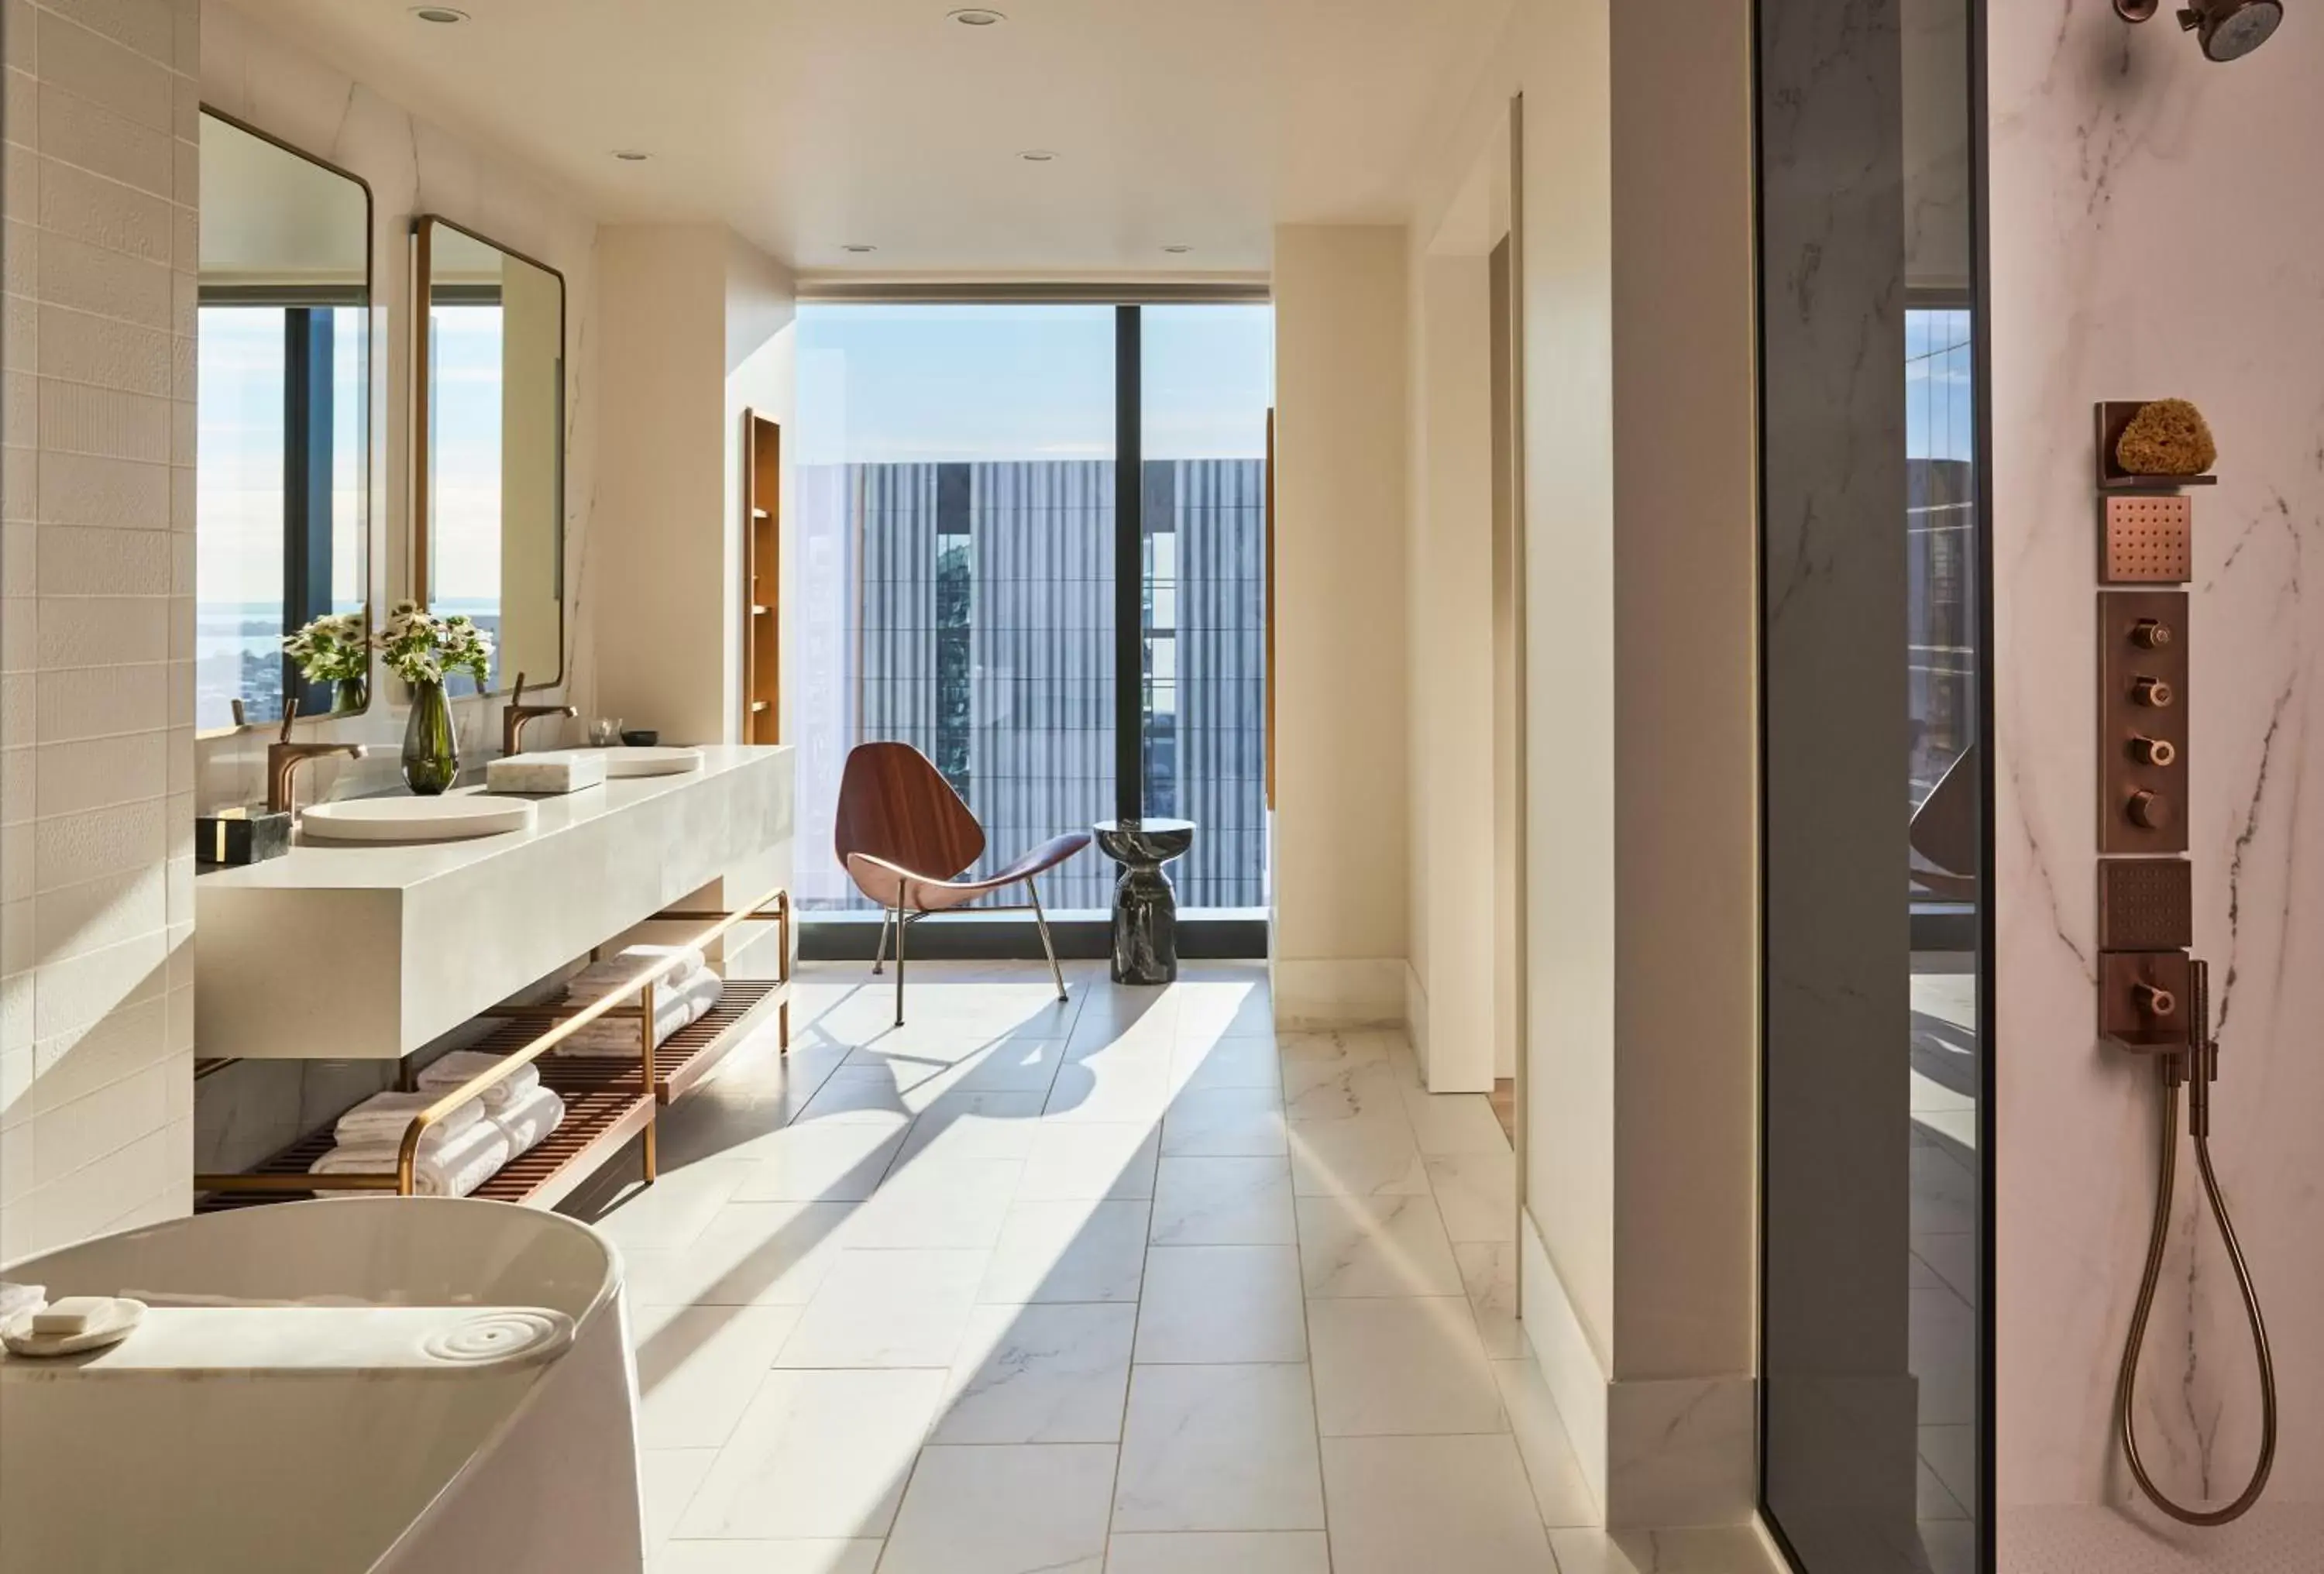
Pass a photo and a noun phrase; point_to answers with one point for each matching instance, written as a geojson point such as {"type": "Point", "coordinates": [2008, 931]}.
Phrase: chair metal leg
{"type": "Point", "coordinates": [899, 959]}
{"type": "Point", "coordinates": [1041, 922]}
{"type": "Point", "coordinates": [880, 955]}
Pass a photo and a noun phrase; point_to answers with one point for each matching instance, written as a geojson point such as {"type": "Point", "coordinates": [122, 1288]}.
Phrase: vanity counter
{"type": "Point", "coordinates": [344, 951]}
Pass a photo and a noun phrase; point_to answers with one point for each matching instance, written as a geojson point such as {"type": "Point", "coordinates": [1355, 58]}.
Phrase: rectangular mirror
{"type": "Point", "coordinates": [281, 493]}
{"type": "Point", "coordinates": [489, 487]}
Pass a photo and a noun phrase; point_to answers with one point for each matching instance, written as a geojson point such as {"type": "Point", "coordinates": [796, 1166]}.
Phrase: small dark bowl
{"type": "Point", "coordinates": [641, 737]}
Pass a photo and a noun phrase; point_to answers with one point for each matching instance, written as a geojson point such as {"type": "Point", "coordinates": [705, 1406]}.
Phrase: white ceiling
{"type": "Point", "coordinates": [809, 124]}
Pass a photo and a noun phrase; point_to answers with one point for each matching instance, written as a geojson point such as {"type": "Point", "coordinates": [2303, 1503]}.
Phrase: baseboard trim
{"type": "Point", "coordinates": [1561, 1346]}
{"type": "Point", "coordinates": [1321, 992]}
{"type": "Point", "coordinates": [1416, 1013]}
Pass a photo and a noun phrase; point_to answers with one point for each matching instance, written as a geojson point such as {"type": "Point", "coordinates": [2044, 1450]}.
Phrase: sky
{"type": "Point", "coordinates": [916, 383]}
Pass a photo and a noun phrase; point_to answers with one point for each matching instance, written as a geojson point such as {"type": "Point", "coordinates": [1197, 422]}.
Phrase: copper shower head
{"type": "Point", "coordinates": [2228, 30]}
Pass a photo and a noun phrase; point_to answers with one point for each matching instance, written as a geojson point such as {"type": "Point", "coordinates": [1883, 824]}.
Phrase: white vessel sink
{"type": "Point", "coordinates": [664, 760]}
{"type": "Point", "coordinates": [454, 818]}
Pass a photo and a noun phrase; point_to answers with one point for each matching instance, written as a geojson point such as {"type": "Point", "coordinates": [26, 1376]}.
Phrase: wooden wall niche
{"type": "Point", "coordinates": [763, 663]}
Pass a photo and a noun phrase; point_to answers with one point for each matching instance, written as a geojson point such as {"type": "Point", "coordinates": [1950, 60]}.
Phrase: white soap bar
{"type": "Point", "coordinates": [565, 771]}
{"type": "Point", "coordinates": [73, 1314]}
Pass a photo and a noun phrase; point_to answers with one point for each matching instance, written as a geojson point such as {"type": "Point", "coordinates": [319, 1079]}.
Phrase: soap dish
{"type": "Point", "coordinates": [83, 1323]}
{"type": "Point", "coordinates": [559, 771]}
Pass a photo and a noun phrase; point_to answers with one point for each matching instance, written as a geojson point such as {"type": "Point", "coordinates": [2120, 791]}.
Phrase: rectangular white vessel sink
{"type": "Point", "coordinates": [455, 818]}
{"type": "Point", "coordinates": [624, 763]}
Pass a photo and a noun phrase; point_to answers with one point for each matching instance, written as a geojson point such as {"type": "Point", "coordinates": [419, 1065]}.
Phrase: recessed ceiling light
{"type": "Point", "coordinates": [1178, 250]}
{"type": "Point", "coordinates": [632, 155]}
{"type": "Point", "coordinates": [443, 14]}
{"type": "Point", "coordinates": [1038, 156]}
{"type": "Point", "coordinates": [859, 248]}
{"type": "Point", "coordinates": [975, 16]}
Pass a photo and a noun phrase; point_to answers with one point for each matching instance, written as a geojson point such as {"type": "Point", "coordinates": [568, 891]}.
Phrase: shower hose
{"type": "Point", "coordinates": [2196, 1067]}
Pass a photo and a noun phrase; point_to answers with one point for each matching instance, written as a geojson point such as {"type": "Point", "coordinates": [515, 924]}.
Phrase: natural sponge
{"type": "Point", "coordinates": [2166, 438]}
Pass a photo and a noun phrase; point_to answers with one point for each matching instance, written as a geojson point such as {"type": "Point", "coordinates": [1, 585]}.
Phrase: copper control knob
{"type": "Point", "coordinates": [2153, 691]}
{"type": "Point", "coordinates": [2148, 811]}
{"type": "Point", "coordinates": [2159, 753]}
{"type": "Point", "coordinates": [2156, 1001]}
{"type": "Point", "coordinates": [2149, 634]}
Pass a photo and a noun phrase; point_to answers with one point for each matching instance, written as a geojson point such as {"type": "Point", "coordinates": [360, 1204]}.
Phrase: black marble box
{"type": "Point", "coordinates": [241, 836]}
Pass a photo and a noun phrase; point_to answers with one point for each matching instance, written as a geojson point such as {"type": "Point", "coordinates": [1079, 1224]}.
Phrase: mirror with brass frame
{"type": "Point", "coordinates": [488, 483]}
{"type": "Point", "coordinates": [282, 430]}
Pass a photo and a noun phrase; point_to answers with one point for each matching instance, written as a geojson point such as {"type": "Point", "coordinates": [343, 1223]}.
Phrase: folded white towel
{"type": "Point", "coordinates": [453, 1167]}
{"type": "Point", "coordinates": [674, 1008]}
{"type": "Point", "coordinates": [384, 1116]}
{"type": "Point", "coordinates": [677, 961]}
{"type": "Point", "coordinates": [530, 1121]}
{"type": "Point", "coordinates": [444, 1075]}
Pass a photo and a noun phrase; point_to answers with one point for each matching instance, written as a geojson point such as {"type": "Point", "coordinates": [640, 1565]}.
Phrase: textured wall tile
{"type": "Point", "coordinates": [87, 489]}
{"type": "Point", "coordinates": [19, 707]}
{"type": "Point", "coordinates": [18, 772]}
{"type": "Point", "coordinates": [20, 197]}
{"type": "Point", "coordinates": [73, 1065]}
{"type": "Point", "coordinates": [76, 561]}
{"type": "Point", "coordinates": [76, 419]}
{"type": "Point", "coordinates": [74, 993]}
{"type": "Point", "coordinates": [21, 55]}
{"type": "Point", "coordinates": [87, 348]}
{"type": "Point", "coordinates": [184, 505]}
{"type": "Point", "coordinates": [16, 863]}
{"type": "Point", "coordinates": [20, 497]}
{"type": "Point", "coordinates": [102, 772]}
{"type": "Point", "coordinates": [19, 1000]}
{"type": "Point", "coordinates": [20, 114]}
{"type": "Point", "coordinates": [20, 410]}
{"type": "Point", "coordinates": [102, 631]}
{"type": "Point", "coordinates": [77, 1135]}
{"type": "Point", "coordinates": [96, 67]}
{"type": "Point", "coordinates": [19, 641]}
{"type": "Point", "coordinates": [148, 27]}
{"type": "Point", "coordinates": [20, 257]}
{"type": "Point", "coordinates": [103, 213]}
{"type": "Point", "coordinates": [97, 702]}
{"type": "Point", "coordinates": [106, 280]}
{"type": "Point", "coordinates": [21, 350]}
{"type": "Point", "coordinates": [75, 130]}
{"type": "Point", "coordinates": [70, 850]}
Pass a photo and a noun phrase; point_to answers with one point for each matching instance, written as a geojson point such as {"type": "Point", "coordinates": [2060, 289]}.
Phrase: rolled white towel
{"type": "Point", "coordinates": [528, 1123]}
{"type": "Point", "coordinates": [383, 1116]}
{"type": "Point", "coordinates": [674, 1008]}
{"type": "Point", "coordinates": [444, 1075]}
{"type": "Point", "coordinates": [454, 1167]}
{"type": "Point", "coordinates": [677, 961]}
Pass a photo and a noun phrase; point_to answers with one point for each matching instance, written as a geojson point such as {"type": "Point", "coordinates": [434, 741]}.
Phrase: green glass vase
{"type": "Point", "coordinates": [431, 750]}
{"type": "Point", "coordinates": [349, 695]}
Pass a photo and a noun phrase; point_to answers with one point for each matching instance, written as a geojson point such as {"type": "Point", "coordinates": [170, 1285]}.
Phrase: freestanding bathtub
{"type": "Point", "coordinates": [401, 1386]}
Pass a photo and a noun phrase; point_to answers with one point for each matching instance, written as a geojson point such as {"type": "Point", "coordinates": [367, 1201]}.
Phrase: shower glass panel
{"type": "Point", "coordinates": [1877, 1445]}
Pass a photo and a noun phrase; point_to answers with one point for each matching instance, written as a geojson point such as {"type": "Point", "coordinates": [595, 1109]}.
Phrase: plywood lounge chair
{"type": "Point", "coordinates": [905, 837]}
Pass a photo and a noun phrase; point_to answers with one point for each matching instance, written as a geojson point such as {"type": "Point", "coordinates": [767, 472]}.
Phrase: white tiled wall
{"type": "Point", "coordinates": [96, 617]}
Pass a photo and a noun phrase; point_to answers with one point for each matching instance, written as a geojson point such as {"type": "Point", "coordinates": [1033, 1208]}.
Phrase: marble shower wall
{"type": "Point", "coordinates": [253, 74]}
{"type": "Point", "coordinates": [2157, 230]}
{"type": "Point", "coordinates": [250, 71]}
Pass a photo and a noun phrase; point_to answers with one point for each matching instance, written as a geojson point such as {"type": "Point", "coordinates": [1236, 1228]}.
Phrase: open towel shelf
{"type": "Point", "coordinates": [607, 1101]}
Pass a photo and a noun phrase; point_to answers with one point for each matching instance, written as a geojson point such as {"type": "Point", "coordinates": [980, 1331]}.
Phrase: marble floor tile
{"type": "Point", "coordinates": [974, 1124]}
{"type": "Point", "coordinates": [1375, 1246]}
{"type": "Point", "coordinates": [1073, 1161]}
{"type": "Point", "coordinates": [1401, 1367]}
{"type": "Point", "coordinates": [698, 1369]}
{"type": "Point", "coordinates": [1453, 1123]}
{"type": "Point", "coordinates": [1477, 1194]}
{"type": "Point", "coordinates": [1224, 1123]}
{"type": "Point", "coordinates": [1215, 1304]}
{"type": "Point", "coordinates": [1402, 1503]}
{"type": "Point", "coordinates": [1022, 1509]}
{"type": "Point", "coordinates": [1203, 1063]}
{"type": "Point", "coordinates": [1373, 1155]}
{"type": "Point", "coordinates": [1951, 1453]}
{"type": "Point", "coordinates": [1218, 1448]}
{"type": "Point", "coordinates": [1111, 1088]}
{"type": "Point", "coordinates": [668, 1478]}
{"type": "Point", "coordinates": [868, 1094]}
{"type": "Point", "coordinates": [1943, 1194]}
{"type": "Point", "coordinates": [821, 1557]}
{"type": "Point", "coordinates": [888, 1309]}
{"type": "Point", "coordinates": [1951, 1546]}
{"type": "Point", "coordinates": [826, 1161]}
{"type": "Point", "coordinates": [1951, 1259]}
{"type": "Point", "coordinates": [1224, 1201]}
{"type": "Point", "coordinates": [1069, 1251]}
{"type": "Point", "coordinates": [1929, 1498]}
{"type": "Point", "coordinates": [750, 1254]}
{"type": "Point", "coordinates": [1560, 1489]}
{"type": "Point", "coordinates": [1040, 1374]}
{"type": "Point", "coordinates": [1732, 1549]}
{"type": "Point", "coordinates": [1328, 1090]}
{"type": "Point", "coordinates": [1489, 1272]}
{"type": "Point", "coordinates": [671, 1212]}
{"type": "Point", "coordinates": [818, 1455]}
{"type": "Point", "coordinates": [939, 1204]}
{"type": "Point", "coordinates": [1229, 1004]}
{"type": "Point", "coordinates": [1221, 1552]}
{"type": "Point", "coordinates": [736, 1120]}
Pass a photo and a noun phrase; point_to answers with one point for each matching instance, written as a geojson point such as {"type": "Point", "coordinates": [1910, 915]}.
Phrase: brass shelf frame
{"type": "Point", "coordinates": [616, 1120]}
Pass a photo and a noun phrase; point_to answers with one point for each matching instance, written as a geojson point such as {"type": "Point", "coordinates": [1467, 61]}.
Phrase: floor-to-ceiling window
{"type": "Point", "coordinates": [961, 533]}
{"type": "Point", "coordinates": [1875, 1143]}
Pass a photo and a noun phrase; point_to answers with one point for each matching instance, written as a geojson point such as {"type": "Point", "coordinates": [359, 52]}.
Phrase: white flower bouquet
{"type": "Point", "coordinates": [335, 647]}
{"type": "Point", "coordinates": [421, 647]}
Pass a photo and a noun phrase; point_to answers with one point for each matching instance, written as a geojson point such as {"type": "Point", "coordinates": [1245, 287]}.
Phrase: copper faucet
{"type": "Point", "coordinates": [518, 715]}
{"type": "Point", "coordinates": [283, 758]}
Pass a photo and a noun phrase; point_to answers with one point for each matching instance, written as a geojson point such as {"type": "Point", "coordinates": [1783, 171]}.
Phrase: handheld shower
{"type": "Point", "coordinates": [2227, 29]}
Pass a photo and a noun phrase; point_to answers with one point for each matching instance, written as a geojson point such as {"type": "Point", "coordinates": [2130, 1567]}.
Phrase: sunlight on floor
{"type": "Point", "coordinates": [1131, 1283]}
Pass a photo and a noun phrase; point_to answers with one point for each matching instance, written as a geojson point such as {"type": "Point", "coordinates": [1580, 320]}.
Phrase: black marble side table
{"type": "Point", "coordinates": [1145, 908]}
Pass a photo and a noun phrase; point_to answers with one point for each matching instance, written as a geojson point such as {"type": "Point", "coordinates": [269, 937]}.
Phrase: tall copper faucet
{"type": "Point", "coordinates": [518, 715]}
{"type": "Point", "coordinates": [283, 758]}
